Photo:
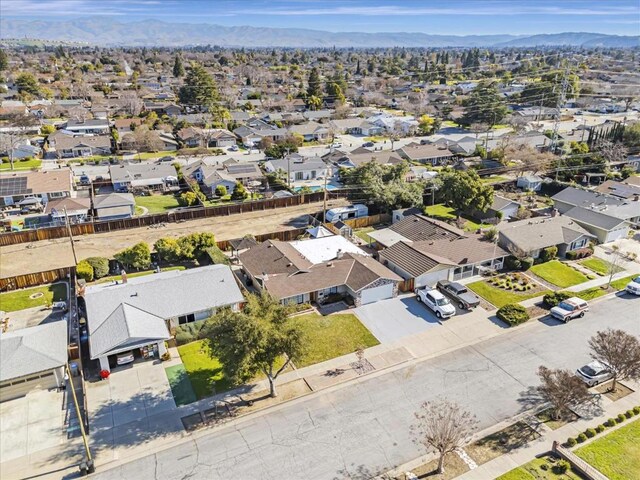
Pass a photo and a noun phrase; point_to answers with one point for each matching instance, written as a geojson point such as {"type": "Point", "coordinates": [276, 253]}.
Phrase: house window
{"type": "Point", "coordinates": [298, 299]}
{"type": "Point", "coordinates": [186, 319]}
{"type": "Point", "coordinates": [299, 176]}
{"type": "Point", "coordinates": [579, 244]}
{"type": "Point", "coordinates": [331, 290]}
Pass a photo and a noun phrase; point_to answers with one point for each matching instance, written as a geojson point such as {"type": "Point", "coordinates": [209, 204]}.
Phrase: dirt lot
{"type": "Point", "coordinates": [49, 254]}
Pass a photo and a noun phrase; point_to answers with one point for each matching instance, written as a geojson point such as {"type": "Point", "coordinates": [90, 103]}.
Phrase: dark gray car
{"type": "Point", "coordinates": [459, 294]}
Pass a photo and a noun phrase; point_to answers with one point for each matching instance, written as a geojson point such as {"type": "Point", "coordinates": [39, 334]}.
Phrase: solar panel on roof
{"type": "Point", "coordinates": [240, 168]}
{"type": "Point", "coordinates": [13, 186]}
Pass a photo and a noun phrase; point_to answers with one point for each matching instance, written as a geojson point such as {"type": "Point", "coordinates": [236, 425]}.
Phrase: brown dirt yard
{"type": "Point", "coordinates": [49, 254]}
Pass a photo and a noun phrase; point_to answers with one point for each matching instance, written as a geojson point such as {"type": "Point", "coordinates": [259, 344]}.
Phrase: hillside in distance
{"type": "Point", "coordinates": [108, 32]}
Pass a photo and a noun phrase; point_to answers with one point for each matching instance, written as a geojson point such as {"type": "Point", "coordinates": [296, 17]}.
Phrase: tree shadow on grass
{"type": "Point", "coordinates": [531, 399]}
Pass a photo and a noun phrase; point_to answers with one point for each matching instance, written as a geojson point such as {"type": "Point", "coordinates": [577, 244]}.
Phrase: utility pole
{"type": "Point", "coordinates": [324, 200]}
{"type": "Point", "coordinates": [87, 466]}
{"type": "Point", "coordinates": [288, 169]}
{"type": "Point", "coordinates": [559, 103]}
{"type": "Point", "coordinates": [73, 246]}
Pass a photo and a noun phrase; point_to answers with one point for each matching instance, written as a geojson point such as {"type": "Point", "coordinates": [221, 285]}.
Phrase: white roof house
{"type": "Point", "coordinates": [323, 249]}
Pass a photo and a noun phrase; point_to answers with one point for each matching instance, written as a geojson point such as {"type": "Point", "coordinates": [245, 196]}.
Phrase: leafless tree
{"type": "Point", "coordinates": [611, 152]}
{"type": "Point", "coordinates": [614, 261]}
{"type": "Point", "coordinates": [443, 426]}
{"type": "Point", "coordinates": [10, 140]}
{"type": "Point", "coordinates": [620, 351]}
{"type": "Point", "coordinates": [146, 140]}
{"type": "Point", "coordinates": [562, 389]}
{"type": "Point", "coordinates": [131, 103]}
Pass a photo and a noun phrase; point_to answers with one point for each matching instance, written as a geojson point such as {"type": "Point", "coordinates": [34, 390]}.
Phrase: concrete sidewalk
{"type": "Point", "coordinates": [505, 463]}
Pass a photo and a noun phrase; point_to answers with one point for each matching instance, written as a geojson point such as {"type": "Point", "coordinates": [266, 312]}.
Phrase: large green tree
{"type": "Point", "coordinates": [464, 191]}
{"type": "Point", "coordinates": [178, 69]}
{"type": "Point", "coordinates": [27, 85]}
{"type": "Point", "coordinates": [4, 60]}
{"type": "Point", "coordinates": [315, 84]}
{"type": "Point", "coordinates": [137, 257]}
{"type": "Point", "coordinates": [258, 339]}
{"type": "Point", "coordinates": [199, 89]}
{"type": "Point", "coordinates": [484, 106]}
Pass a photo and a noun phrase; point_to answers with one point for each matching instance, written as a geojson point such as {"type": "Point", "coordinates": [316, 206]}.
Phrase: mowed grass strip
{"type": "Point", "coordinates": [158, 203]}
{"type": "Point", "coordinates": [617, 454]}
{"type": "Point", "coordinates": [332, 336]}
{"type": "Point", "coordinates": [558, 274]}
{"type": "Point", "coordinates": [204, 371]}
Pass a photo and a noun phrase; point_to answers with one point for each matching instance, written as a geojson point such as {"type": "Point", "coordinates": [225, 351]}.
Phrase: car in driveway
{"type": "Point", "coordinates": [460, 295]}
{"type": "Point", "coordinates": [124, 358]}
{"type": "Point", "coordinates": [569, 309]}
{"type": "Point", "coordinates": [435, 301]}
{"type": "Point", "coordinates": [633, 286]}
{"type": "Point", "coordinates": [594, 373]}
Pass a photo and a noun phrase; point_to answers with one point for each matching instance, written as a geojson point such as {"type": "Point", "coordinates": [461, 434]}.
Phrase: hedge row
{"type": "Point", "coordinates": [592, 432]}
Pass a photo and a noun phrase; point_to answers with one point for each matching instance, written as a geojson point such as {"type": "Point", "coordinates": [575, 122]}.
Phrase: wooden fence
{"type": "Point", "coordinates": [34, 279]}
{"type": "Point", "coordinates": [407, 285]}
{"type": "Point", "coordinates": [50, 233]}
{"type": "Point", "coordinates": [363, 222]}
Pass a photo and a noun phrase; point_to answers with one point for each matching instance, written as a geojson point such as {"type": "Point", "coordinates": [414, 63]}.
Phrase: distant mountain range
{"type": "Point", "coordinates": [107, 32]}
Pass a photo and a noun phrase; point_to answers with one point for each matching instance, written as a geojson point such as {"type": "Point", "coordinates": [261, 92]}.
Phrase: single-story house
{"type": "Point", "coordinates": [624, 209]}
{"type": "Point", "coordinates": [137, 314]}
{"type": "Point", "coordinates": [31, 358]}
{"type": "Point", "coordinates": [414, 228]}
{"type": "Point", "coordinates": [68, 146]}
{"type": "Point", "coordinates": [505, 207]}
{"type": "Point", "coordinates": [44, 186]}
{"type": "Point", "coordinates": [154, 176]}
{"type": "Point", "coordinates": [310, 131]}
{"type": "Point", "coordinates": [77, 209]}
{"type": "Point", "coordinates": [299, 167]}
{"type": "Point", "coordinates": [622, 190]}
{"type": "Point", "coordinates": [428, 261]}
{"type": "Point", "coordinates": [532, 235]}
{"type": "Point", "coordinates": [530, 182]}
{"type": "Point", "coordinates": [316, 270]}
{"type": "Point", "coordinates": [124, 125]}
{"type": "Point", "coordinates": [93, 126]}
{"type": "Point", "coordinates": [113, 206]}
{"type": "Point", "coordinates": [25, 150]}
{"type": "Point", "coordinates": [433, 154]}
{"type": "Point", "coordinates": [537, 113]}
{"type": "Point", "coordinates": [605, 227]}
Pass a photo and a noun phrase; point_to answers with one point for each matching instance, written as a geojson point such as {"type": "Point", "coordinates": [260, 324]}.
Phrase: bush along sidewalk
{"type": "Point", "coordinates": [592, 432]}
{"type": "Point", "coordinates": [513, 314]}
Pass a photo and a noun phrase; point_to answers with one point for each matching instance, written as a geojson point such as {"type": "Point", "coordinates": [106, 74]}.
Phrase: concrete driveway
{"type": "Point", "coordinates": [31, 424]}
{"type": "Point", "coordinates": [134, 404]}
{"type": "Point", "coordinates": [390, 320]}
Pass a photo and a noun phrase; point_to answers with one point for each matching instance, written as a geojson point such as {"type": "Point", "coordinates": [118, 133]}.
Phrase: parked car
{"type": "Point", "coordinates": [569, 309]}
{"type": "Point", "coordinates": [233, 148]}
{"type": "Point", "coordinates": [84, 179]}
{"type": "Point", "coordinates": [124, 358]}
{"type": "Point", "coordinates": [368, 144]}
{"type": "Point", "coordinates": [594, 373]}
{"type": "Point", "coordinates": [335, 145]}
{"type": "Point", "coordinates": [436, 301]}
{"type": "Point", "coordinates": [459, 294]}
{"type": "Point", "coordinates": [633, 286]}
{"type": "Point", "coordinates": [166, 159]}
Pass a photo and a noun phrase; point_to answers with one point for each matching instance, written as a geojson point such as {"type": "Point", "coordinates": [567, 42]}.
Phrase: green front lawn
{"type": "Point", "coordinates": [19, 299]}
{"type": "Point", "coordinates": [180, 384]}
{"type": "Point", "coordinates": [559, 274]}
{"type": "Point", "coordinates": [150, 155]}
{"type": "Point", "coordinates": [499, 296]}
{"type": "Point", "coordinates": [332, 336]}
{"type": "Point", "coordinates": [22, 164]}
{"type": "Point", "coordinates": [616, 454]}
{"type": "Point", "coordinates": [599, 266]}
{"type": "Point", "coordinates": [203, 371]}
{"type": "Point", "coordinates": [441, 211]}
{"type": "Point", "coordinates": [622, 282]}
{"type": "Point", "coordinates": [157, 203]}
{"type": "Point", "coordinates": [472, 225]}
{"type": "Point", "coordinates": [363, 233]}
{"type": "Point", "coordinates": [534, 470]}
{"type": "Point", "coordinates": [494, 179]}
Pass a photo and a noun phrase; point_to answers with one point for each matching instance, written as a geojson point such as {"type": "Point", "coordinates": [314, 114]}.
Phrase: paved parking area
{"type": "Point", "coordinates": [391, 320]}
{"type": "Point", "coordinates": [31, 424]}
{"type": "Point", "coordinates": [133, 405]}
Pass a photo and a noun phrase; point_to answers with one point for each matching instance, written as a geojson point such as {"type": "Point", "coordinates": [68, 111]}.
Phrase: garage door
{"type": "Point", "coordinates": [430, 279]}
{"type": "Point", "coordinates": [20, 387]}
{"type": "Point", "coordinates": [616, 234]}
{"type": "Point", "coordinates": [371, 295]}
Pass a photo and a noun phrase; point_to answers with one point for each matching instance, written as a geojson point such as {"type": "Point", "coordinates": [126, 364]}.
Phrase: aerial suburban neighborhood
{"type": "Point", "coordinates": [320, 240]}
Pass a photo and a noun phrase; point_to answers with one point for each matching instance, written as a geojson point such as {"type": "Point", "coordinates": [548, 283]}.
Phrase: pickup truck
{"type": "Point", "coordinates": [438, 303]}
{"type": "Point", "coordinates": [459, 294]}
{"type": "Point", "coordinates": [569, 309]}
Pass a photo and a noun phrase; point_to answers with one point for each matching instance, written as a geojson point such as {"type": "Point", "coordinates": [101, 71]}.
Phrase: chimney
{"type": "Point", "coordinates": [265, 277]}
{"type": "Point", "coordinates": [339, 254]}
{"type": "Point", "coordinates": [124, 276]}
{"type": "Point", "coordinates": [554, 212]}
{"type": "Point", "coordinates": [636, 197]}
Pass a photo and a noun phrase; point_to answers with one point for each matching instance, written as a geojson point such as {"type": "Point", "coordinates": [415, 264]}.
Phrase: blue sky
{"type": "Point", "coordinates": [455, 17]}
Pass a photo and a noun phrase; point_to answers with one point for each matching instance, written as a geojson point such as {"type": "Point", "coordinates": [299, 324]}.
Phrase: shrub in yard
{"type": "Point", "coordinates": [552, 299]}
{"type": "Point", "coordinates": [513, 314]}
{"type": "Point", "coordinates": [526, 263]}
{"type": "Point", "coordinates": [571, 442]}
{"type": "Point", "coordinates": [513, 263]}
{"type": "Point", "coordinates": [572, 255]}
{"type": "Point", "coordinates": [590, 432]}
{"type": "Point", "coordinates": [611, 422]}
{"type": "Point", "coordinates": [85, 271]}
{"type": "Point", "coordinates": [581, 438]}
{"type": "Point", "coordinates": [621, 418]}
{"type": "Point", "coordinates": [636, 410]}
{"type": "Point", "coordinates": [100, 266]}
{"type": "Point", "coordinates": [628, 413]}
{"type": "Point", "coordinates": [548, 254]}
{"type": "Point", "coordinates": [561, 467]}
{"type": "Point", "coordinates": [600, 428]}
{"type": "Point", "coordinates": [189, 332]}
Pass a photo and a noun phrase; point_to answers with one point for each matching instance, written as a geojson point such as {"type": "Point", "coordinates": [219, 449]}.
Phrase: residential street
{"type": "Point", "coordinates": [362, 428]}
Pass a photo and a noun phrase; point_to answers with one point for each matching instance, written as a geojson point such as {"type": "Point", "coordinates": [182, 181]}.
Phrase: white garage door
{"type": "Point", "coordinates": [616, 234]}
{"type": "Point", "coordinates": [430, 279]}
{"type": "Point", "coordinates": [371, 295]}
{"type": "Point", "coordinates": [20, 387]}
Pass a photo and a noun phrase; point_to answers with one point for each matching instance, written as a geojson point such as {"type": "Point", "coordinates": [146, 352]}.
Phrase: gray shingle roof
{"type": "Point", "coordinates": [32, 350]}
{"type": "Point", "coordinates": [408, 259]}
{"type": "Point", "coordinates": [594, 218]}
{"type": "Point", "coordinates": [537, 233]}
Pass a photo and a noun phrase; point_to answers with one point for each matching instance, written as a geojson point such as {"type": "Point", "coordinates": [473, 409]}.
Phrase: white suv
{"type": "Point", "coordinates": [436, 301]}
{"type": "Point", "coordinates": [569, 309]}
{"type": "Point", "coordinates": [633, 286]}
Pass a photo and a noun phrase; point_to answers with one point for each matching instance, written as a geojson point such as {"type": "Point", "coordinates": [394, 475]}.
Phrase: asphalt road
{"type": "Point", "coordinates": [361, 429]}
